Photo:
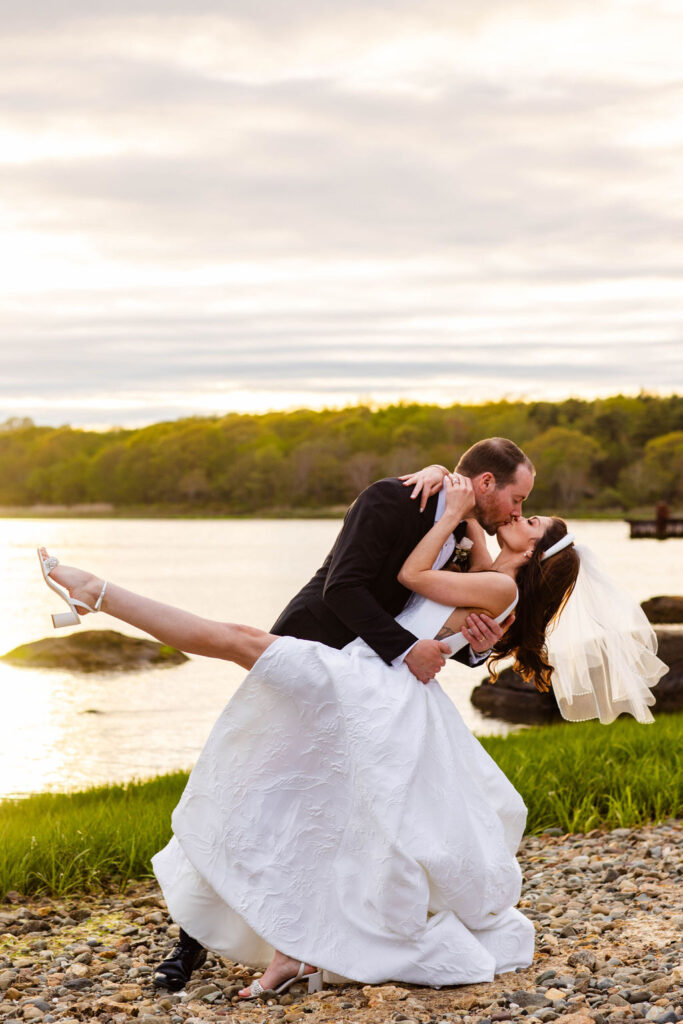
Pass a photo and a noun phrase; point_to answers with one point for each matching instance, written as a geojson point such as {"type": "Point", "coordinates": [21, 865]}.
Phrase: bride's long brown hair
{"type": "Point", "coordinates": [544, 586]}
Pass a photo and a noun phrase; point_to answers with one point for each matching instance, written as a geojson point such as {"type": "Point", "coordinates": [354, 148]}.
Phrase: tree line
{"type": "Point", "coordinates": [608, 454]}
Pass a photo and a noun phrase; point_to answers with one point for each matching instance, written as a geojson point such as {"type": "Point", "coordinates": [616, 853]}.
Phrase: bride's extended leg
{"type": "Point", "coordinates": [190, 633]}
{"type": "Point", "coordinates": [280, 969]}
{"type": "Point", "coordinates": [195, 635]}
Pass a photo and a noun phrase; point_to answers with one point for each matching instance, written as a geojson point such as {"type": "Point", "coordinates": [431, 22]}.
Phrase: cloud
{"type": "Point", "coordinates": [282, 198]}
{"type": "Point", "coordinates": [362, 182]}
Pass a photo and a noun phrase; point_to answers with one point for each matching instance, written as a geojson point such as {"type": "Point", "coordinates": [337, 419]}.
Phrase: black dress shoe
{"type": "Point", "coordinates": [176, 970]}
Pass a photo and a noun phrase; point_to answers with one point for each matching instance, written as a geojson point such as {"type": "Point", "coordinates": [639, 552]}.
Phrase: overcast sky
{"type": "Point", "coordinates": [213, 206]}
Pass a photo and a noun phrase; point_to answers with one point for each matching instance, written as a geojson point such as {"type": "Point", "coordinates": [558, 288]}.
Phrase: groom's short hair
{"type": "Point", "coordinates": [496, 455]}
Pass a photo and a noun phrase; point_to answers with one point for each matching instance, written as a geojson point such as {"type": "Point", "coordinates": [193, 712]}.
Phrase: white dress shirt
{"type": "Point", "coordinates": [440, 560]}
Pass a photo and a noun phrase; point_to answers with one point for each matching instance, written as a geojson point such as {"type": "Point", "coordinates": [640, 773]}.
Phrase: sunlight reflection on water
{"type": "Point", "coordinates": [65, 731]}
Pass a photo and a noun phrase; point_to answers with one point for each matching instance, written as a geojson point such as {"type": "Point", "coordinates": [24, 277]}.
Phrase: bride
{"type": "Point", "coordinates": [341, 816]}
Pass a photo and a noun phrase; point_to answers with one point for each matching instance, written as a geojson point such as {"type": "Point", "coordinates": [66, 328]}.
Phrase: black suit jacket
{"type": "Point", "coordinates": [356, 591]}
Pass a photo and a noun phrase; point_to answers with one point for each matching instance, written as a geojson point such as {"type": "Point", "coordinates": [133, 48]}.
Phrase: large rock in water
{"type": "Point", "coordinates": [95, 650]}
{"type": "Point", "coordinates": [669, 689]}
{"type": "Point", "coordinates": [665, 609]}
{"type": "Point", "coordinates": [513, 700]}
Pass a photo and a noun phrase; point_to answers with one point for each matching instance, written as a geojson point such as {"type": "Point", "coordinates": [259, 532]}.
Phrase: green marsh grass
{"type": "Point", "coordinates": [66, 843]}
{"type": "Point", "coordinates": [574, 777]}
{"type": "Point", "coordinates": [582, 776]}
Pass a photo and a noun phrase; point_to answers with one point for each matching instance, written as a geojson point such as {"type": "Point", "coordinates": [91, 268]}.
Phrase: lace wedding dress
{"type": "Point", "coordinates": [343, 813]}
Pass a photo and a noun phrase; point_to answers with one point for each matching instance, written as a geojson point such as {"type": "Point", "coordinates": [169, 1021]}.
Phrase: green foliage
{"type": "Point", "coordinates": [566, 464]}
{"type": "Point", "coordinates": [605, 454]}
{"type": "Point", "coordinates": [573, 776]}
{"type": "Point", "coordinates": [663, 460]}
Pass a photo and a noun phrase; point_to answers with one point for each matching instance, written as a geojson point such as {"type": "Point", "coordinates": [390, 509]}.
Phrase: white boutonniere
{"type": "Point", "coordinates": [461, 555]}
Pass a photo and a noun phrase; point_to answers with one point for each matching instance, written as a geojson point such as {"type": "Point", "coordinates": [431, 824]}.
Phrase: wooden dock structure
{"type": "Point", "coordinates": [651, 528]}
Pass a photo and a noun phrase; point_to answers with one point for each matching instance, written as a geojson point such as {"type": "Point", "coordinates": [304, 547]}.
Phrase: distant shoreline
{"type": "Point", "coordinates": [160, 512]}
{"type": "Point", "coordinates": [102, 511]}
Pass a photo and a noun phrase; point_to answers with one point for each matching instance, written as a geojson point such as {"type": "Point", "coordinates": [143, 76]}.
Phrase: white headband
{"type": "Point", "coordinates": [564, 542]}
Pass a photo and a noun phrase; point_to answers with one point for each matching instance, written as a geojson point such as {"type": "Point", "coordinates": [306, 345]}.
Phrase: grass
{"type": "Point", "coordinates": [66, 843]}
{"type": "Point", "coordinates": [573, 777]}
{"type": "Point", "coordinates": [582, 776]}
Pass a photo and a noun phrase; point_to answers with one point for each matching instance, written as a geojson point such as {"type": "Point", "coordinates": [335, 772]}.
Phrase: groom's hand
{"type": "Point", "coordinates": [482, 632]}
{"type": "Point", "coordinates": [426, 658]}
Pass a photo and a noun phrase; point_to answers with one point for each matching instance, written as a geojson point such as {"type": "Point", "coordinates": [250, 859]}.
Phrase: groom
{"type": "Point", "coordinates": [356, 591]}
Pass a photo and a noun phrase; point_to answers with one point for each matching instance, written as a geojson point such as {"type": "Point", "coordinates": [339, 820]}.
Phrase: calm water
{"type": "Point", "coordinates": [63, 731]}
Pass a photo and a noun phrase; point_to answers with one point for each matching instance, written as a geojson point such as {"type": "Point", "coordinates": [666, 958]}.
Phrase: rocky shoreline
{"type": "Point", "coordinates": [607, 909]}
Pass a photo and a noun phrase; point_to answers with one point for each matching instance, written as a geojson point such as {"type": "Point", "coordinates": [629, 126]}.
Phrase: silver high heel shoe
{"type": "Point", "coordinates": [314, 979]}
{"type": "Point", "coordinates": [70, 618]}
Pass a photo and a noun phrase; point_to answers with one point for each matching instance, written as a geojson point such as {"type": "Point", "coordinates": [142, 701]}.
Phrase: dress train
{"type": "Point", "coordinates": [343, 813]}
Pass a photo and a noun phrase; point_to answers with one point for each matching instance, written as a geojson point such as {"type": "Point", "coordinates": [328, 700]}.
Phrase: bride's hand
{"type": "Point", "coordinates": [482, 632]}
{"type": "Point", "coordinates": [425, 482]}
{"type": "Point", "coordinates": [459, 495]}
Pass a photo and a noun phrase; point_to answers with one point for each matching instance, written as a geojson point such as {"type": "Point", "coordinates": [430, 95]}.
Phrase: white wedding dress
{"type": "Point", "coordinates": [343, 813]}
